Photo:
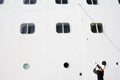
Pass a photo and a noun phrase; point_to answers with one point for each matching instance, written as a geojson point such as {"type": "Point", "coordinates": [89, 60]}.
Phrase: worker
{"type": "Point", "coordinates": [99, 72]}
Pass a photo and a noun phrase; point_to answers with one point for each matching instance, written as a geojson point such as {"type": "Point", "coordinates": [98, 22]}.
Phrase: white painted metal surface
{"type": "Point", "coordinates": [46, 51]}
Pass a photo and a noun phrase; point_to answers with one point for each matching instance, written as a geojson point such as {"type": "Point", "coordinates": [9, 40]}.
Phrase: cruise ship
{"type": "Point", "coordinates": [59, 39]}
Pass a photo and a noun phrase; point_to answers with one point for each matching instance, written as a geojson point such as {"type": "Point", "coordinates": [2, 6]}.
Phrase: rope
{"type": "Point", "coordinates": [103, 33]}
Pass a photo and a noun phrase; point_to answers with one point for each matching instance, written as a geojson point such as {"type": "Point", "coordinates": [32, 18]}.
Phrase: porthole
{"type": "Point", "coordinates": [80, 74]}
{"type": "Point", "coordinates": [66, 65]}
{"type": "Point", "coordinates": [117, 63]}
{"type": "Point", "coordinates": [26, 66]}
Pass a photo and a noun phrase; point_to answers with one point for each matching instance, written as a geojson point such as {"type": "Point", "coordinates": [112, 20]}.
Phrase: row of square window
{"type": "Point", "coordinates": [91, 2]}
{"type": "Point", "coordinates": [29, 28]}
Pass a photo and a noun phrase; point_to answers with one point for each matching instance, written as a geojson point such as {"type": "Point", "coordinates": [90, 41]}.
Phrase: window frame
{"type": "Point", "coordinates": [27, 28]}
{"type": "Point", "coordinates": [92, 2]}
{"type": "Point", "coordinates": [61, 1]}
{"type": "Point", "coordinates": [29, 2]}
{"type": "Point", "coordinates": [63, 27]}
{"type": "Point", "coordinates": [96, 27]}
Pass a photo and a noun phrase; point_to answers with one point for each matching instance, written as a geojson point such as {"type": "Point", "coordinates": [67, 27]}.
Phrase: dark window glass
{"type": "Point", "coordinates": [66, 65]}
{"type": "Point", "coordinates": [63, 28]}
{"type": "Point", "coordinates": [66, 28]}
{"type": "Point", "coordinates": [100, 27]}
{"type": "Point", "coordinates": [119, 1]}
{"type": "Point", "coordinates": [26, 1]}
{"type": "Point", "coordinates": [32, 1]}
{"type": "Point", "coordinates": [61, 1]}
{"type": "Point", "coordinates": [93, 28]}
{"type": "Point", "coordinates": [27, 28]}
{"type": "Point", "coordinates": [31, 28]}
{"type": "Point", "coordinates": [59, 28]}
{"type": "Point", "coordinates": [23, 29]}
{"type": "Point", "coordinates": [89, 1]}
{"type": "Point", "coordinates": [1, 1]}
{"type": "Point", "coordinates": [95, 2]}
{"type": "Point", "coordinates": [58, 1]}
{"type": "Point", "coordinates": [64, 1]}
{"type": "Point", "coordinates": [92, 2]}
{"type": "Point", "coordinates": [29, 1]}
{"type": "Point", "coordinates": [97, 27]}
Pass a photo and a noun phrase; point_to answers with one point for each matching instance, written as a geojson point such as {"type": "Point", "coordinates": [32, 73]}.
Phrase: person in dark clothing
{"type": "Point", "coordinates": [99, 72]}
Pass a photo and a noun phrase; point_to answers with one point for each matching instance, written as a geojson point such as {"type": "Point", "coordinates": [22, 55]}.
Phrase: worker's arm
{"type": "Point", "coordinates": [95, 71]}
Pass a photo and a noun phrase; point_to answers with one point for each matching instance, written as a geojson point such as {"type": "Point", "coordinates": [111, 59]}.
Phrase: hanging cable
{"type": "Point", "coordinates": [103, 33]}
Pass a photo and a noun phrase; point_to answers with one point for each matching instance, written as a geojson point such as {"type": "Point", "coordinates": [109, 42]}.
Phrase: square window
{"type": "Point", "coordinates": [27, 28]}
{"type": "Point", "coordinates": [59, 28]}
{"type": "Point", "coordinates": [61, 1]}
{"type": "Point", "coordinates": [97, 27]}
{"type": "Point", "coordinates": [66, 28]}
{"type": "Point", "coordinates": [1, 1]}
{"type": "Point", "coordinates": [92, 2]}
{"type": "Point", "coordinates": [29, 1]}
{"type": "Point", "coordinates": [62, 28]}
